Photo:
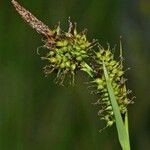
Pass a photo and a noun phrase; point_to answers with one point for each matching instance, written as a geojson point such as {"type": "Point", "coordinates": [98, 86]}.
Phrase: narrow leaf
{"type": "Point", "coordinates": [122, 134]}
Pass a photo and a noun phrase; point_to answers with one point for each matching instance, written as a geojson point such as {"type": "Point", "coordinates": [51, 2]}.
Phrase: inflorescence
{"type": "Point", "coordinates": [69, 52]}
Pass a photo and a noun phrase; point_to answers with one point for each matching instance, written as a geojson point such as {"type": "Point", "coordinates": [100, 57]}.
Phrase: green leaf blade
{"type": "Point", "coordinates": [122, 132]}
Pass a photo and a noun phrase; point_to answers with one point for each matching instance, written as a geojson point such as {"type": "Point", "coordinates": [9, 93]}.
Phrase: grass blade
{"type": "Point", "coordinates": [121, 129]}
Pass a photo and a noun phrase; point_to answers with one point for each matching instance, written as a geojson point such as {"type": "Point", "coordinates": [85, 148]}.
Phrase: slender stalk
{"type": "Point", "coordinates": [127, 125]}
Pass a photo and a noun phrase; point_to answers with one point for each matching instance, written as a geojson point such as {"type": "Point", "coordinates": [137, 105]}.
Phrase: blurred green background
{"type": "Point", "coordinates": [37, 114]}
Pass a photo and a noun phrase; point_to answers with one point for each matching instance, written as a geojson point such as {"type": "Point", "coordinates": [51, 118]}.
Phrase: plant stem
{"type": "Point", "coordinates": [127, 125]}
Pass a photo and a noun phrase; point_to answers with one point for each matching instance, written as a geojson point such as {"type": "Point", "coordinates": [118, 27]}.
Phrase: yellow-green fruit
{"type": "Point", "coordinates": [79, 58]}
{"type": "Point", "coordinates": [52, 59]}
{"type": "Point", "coordinates": [68, 64]}
{"type": "Point", "coordinates": [73, 67]}
{"type": "Point", "coordinates": [62, 65]}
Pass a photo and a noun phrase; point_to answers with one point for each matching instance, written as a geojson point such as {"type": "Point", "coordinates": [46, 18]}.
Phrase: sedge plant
{"type": "Point", "coordinates": [69, 52]}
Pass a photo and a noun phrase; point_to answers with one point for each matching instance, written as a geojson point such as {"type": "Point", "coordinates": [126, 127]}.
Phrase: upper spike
{"type": "Point", "coordinates": [38, 25]}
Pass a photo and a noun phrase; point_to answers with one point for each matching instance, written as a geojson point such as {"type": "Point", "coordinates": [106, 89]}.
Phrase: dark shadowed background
{"type": "Point", "coordinates": [37, 114]}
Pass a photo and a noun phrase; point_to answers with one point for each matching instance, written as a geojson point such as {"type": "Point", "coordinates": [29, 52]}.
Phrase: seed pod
{"type": "Point", "coordinates": [115, 73]}
{"type": "Point", "coordinates": [70, 50]}
{"type": "Point", "coordinates": [73, 67]}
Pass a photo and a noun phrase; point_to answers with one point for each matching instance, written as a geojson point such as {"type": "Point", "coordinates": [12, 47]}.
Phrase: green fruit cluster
{"type": "Point", "coordinates": [68, 53]}
{"type": "Point", "coordinates": [115, 73]}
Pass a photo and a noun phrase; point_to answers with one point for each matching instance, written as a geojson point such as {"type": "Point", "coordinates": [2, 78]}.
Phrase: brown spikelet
{"type": "Point", "coordinates": [36, 24]}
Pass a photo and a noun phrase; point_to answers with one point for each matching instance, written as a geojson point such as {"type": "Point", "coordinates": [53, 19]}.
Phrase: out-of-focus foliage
{"type": "Point", "coordinates": [37, 114]}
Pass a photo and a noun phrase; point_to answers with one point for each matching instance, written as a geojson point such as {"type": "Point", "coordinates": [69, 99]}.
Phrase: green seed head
{"type": "Point", "coordinates": [68, 53]}
{"type": "Point", "coordinates": [115, 73]}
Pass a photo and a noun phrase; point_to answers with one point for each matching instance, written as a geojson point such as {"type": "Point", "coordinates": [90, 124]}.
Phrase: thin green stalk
{"type": "Point", "coordinates": [127, 125]}
{"type": "Point", "coordinates": [121, 129]}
